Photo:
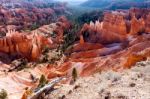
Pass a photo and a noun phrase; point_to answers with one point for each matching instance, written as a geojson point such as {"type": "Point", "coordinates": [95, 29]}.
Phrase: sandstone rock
{"type": "Point", "coordinates": [114, 44]}
{"type": "Point", "coordinates": [21, 44]}
{"type": "Point", "coordinates": [115, 23]}
{"type": "Point", "coordinates": [147, 23]}
{"type": "Point", "coordinates": [115, 28]}
{"type": "Point", "coordinates": [137, 26]}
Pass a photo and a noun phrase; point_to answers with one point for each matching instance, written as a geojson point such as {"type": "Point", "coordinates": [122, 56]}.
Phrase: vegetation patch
{"type": "Point", "coordinates": [3, 94]}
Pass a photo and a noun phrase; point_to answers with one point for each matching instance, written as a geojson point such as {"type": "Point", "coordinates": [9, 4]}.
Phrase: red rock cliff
{"type": "Point", "coordinates": [99, 49]}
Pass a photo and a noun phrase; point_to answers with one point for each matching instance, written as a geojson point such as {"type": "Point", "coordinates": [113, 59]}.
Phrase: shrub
{"type": "Point", "coordinates": [42, 82]}
{"type": "Point", "coordinates": [74, 74]}
{"type": "Point", "coordinates": [3, 94]}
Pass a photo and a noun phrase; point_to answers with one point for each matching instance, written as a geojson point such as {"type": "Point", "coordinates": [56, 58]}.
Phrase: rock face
{"type": "Point", "coordinates": [30, 45]}
{"type": "Point", "coordinates": [55, 30]}
{"type": "Point", "coordinates": [100, 48]}
{"type": "Point", "coordinates": [116, 43]}
{"type": "Point", "coordinates": [112, 29]}
{"type": "Point", "coordinates": [143, 17]}
{"type": "Point", "coordinates": [137, 26]}
{"type": "Point", "coordinates": [26, 46]}
{"type": "Point", "coordinates": [116, 26]}
{"type": "Point", "coordinates": [114, 22]}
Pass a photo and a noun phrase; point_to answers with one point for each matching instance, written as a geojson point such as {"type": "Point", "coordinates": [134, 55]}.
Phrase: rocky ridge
{"type": "Point", "coordinates": [116, 43]}
{"type": "Point", "coordinates": [110, 44]}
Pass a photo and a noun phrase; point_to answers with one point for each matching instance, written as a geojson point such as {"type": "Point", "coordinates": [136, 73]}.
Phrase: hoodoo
{"type": "Point", "coordinates": [42, 34]}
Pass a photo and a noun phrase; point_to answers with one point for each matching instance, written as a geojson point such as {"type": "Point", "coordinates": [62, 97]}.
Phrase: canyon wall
{"type": "Point", "coordinates": [116, 25]}
{"type": "Point", "coordinates": [31, 44]}
{"type": "Point", "coordinates": [117, 43]}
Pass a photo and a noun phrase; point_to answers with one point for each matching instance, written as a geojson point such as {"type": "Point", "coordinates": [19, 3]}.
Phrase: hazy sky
{"type": "Point", "coordinates": [73, 0]}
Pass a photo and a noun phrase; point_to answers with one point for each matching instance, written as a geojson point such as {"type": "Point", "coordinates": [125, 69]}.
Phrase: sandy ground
{"type": "Point", "coordinates": [129, 84]}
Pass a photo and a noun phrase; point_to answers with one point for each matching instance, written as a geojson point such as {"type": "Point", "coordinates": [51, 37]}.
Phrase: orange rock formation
{"type": "Point", "coordinates": [119, 46]}
{"type": "Point", "coordinates": [28, 46]}
{"type": "Point", "coordinates": [118, 42]}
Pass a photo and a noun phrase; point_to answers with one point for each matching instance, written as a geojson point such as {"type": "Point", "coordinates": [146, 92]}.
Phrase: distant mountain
{"type": "Point", "coordinates": [116, 4]}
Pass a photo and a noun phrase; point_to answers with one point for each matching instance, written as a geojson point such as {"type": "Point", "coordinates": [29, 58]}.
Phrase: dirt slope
{"type": "Point", "coordinates": [129, 84]}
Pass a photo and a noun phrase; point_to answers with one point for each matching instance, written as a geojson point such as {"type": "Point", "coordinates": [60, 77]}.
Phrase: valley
{"type": "Point", "coordinates": [54, 50]}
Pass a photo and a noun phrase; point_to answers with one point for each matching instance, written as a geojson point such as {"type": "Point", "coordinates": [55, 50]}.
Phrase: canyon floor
{"type": "Point", "coordinates": [43, 42]}
{"type": "Point", "coordinates": [133, 83]}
